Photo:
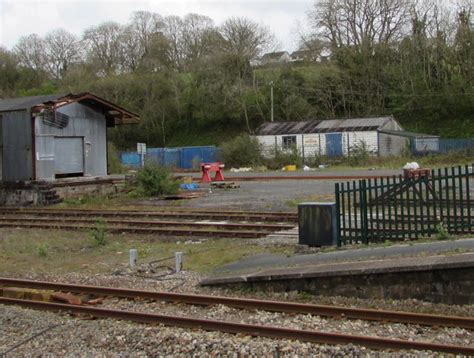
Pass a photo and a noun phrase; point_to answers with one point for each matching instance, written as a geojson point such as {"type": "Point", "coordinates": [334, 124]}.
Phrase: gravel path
{"type": "Point", "coordinates": [82, 337]}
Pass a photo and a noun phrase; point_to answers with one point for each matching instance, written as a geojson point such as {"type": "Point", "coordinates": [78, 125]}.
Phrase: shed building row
{"type": "Point", "coordinates": [383, 136]}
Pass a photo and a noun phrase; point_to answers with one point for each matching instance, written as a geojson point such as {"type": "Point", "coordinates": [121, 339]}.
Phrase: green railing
{"type": "Point", "coordinates": [406, 207]}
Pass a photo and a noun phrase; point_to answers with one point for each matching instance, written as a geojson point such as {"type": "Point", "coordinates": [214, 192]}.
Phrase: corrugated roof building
{"type": "Point", "coordinates": [51, 136]}
{"type": "Point", "coordinates": [334, 137]}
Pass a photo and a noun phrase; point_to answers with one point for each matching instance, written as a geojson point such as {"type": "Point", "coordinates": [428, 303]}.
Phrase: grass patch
{"type": "Point", "coordinates": [69, 251]}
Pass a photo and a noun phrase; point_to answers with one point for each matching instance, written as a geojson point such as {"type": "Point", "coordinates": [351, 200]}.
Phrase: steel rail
{"type": "Point", "coordinates": [165, 209]}
{"type": "Point", "coordinates": [142, 230]}
{"type": "Point", "coordinates": [148, 223]}
{"type": "Point", "coordinates": [245, 303]}
{"type": "Point", "coordinates": [250, 329]}
{"type": "Point", "coordinates": [98, 213]}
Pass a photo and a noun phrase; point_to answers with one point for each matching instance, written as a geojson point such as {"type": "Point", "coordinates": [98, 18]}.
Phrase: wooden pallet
{"type": "Point", "coordinates": [224, 185]}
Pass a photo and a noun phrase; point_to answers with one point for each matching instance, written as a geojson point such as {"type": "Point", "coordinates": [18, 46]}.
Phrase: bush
{"type": "Point", "coordinates": [242, 151]}
{"type": "Point", "coordinates": [113, 160]}
{"type": "Point", "coordinates": [155, 180]}
{"type": "Point", "coordinates": [283, 158]}
{"type": "Point", "coordinates": [42, 250]}
{"type": "Point", "coordinates": [359, 154]}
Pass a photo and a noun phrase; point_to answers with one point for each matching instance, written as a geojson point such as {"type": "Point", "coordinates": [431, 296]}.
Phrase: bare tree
{"type": "Point", "coordinates": [360, 23]}
{"type": "Point", "coordinates": [30, 51]}
{"type": "Point", "coordinates": [245, 38]}
{"type": "Point", "coordinates": [104, 46]}
{"type": "Point", "coordinates": [62, 49]}
{"type": "Point", "coordinates": [195, 33]}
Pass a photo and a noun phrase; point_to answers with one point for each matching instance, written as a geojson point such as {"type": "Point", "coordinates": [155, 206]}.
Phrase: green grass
{"type": "Point", "coordinates": [55, 251]}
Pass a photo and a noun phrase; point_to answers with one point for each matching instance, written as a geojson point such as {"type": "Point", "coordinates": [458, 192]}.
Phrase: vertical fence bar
{"type": "Point", "coordinates": [434, 197]}
{"type": "Point", "coordinates": [338, 215]}
{"type": "Point", "coordinates": [356, 223]}
{"type": "Point", "coordinates": [441, 207]}
{"type": "Point", "coordinates": [468, 200]}
{"type": "Point", "coordinates": [446, 190]}
{"type": "Point", "coordinates": [343, 207]}
{"type": "Point", "coordinates": [409, 206]}
{"type": "Point", "coordinates": [455, 208]}
{"type": "Point", "coordinates": [376, 232]}
{"type": "Point", "coordinates": [415, 207]}
{"type": "Point", "coordinates": [363, 211]}
{"type": "Point", "coordinates": [461, 199]}
{"type": "Point", "coordinates": [402, 207]}
{"type": "Point", "coordinates": [389, 214]}
{"type": "Point", "coordinates": [371, 218]}
{"type": "Point", "coordinates": [428, 204]}
{"type": "Point", "coordinates": [382, 187]}
{"type": "Point", "coordinates": [419, 181]}
{"type": "Point", "coordinates": [349, 211]}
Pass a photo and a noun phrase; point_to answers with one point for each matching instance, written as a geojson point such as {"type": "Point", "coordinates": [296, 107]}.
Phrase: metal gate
{"type": "Point", "coordinates": [68, 155]}
{"type": "Point", "coordinates": [437, 202]}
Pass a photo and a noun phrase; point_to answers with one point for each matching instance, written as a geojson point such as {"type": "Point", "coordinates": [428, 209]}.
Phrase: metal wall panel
{"type": "Point", "coordinates": [68, 155]}
{"type": "Point", "coordinates": [84, 122]}
{"type": "Point", "coordinates": [17, 146]}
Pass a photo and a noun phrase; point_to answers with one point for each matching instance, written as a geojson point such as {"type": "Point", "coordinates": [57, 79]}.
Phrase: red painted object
{"type": "Point", "coordinates": [207, 168]}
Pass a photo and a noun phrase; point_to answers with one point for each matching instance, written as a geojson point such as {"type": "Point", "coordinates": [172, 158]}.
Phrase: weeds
{"type": "Point", "coordinates": [98, 234]}
{"type": "Point", "coordinates": [442, 232]}
{"type": "Point", "coordinates": [243, 150]}
{"type": "Point", "coordinates": [42, 250]}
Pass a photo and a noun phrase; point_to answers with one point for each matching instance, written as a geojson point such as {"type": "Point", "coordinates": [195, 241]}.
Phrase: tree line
{"type": "Point", "coordinates": [191, 79]}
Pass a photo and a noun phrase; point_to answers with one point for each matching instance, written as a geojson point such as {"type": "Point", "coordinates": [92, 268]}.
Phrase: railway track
{"type": "Point", "coordinates": [176, 214]}
{"type": "Point", "coordinates": [254, 330]}
{"type": "Point", "coordinates": [175, 223]}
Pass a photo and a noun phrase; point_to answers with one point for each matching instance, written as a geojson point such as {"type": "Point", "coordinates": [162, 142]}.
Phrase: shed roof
{"type": "Point", "coordinates": [323, 126]}
{"type": "Point", "coordinates": [119, 114]}
{"type": "Point", "coordinates": [409, 134]}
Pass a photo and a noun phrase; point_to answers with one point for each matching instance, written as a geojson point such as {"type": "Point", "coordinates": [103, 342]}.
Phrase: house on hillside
{"type": "Point", "coordinates": [54, 136]}
{"type": "Point", "coordinates": [303, 56]}
{"type": "Point", "coordinates": [275, 57]}
{"type": "Point", "coordinates": [335, 137]}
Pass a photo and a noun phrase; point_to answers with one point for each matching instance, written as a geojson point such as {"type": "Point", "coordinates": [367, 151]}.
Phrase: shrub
{"type": "Point", "coordinates": [113, 160]}
{"type": "Point", "coordinates": [359, 154]}
{"type": "Point", "coordinates": [42, 250]}
{"type": "Point", "coordinates": [98, 233]}
{"type": "Point", "coordinates": [241, 151]}
{"type": "Point", "coordinates": [155, 180]}
{"type": "Point", "coordinates": [283, 158]}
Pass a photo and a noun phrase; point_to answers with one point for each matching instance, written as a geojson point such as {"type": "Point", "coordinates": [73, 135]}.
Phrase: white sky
{"type": "Point", "coordinates": [23, 17]}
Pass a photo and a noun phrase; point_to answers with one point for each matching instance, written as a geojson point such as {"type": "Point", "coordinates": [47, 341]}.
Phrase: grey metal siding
{"type": "Point", "coordinates": [392, 144]}
{"type": "Point", "coordinates": [17, 146]}
{"type": "Point", "coordinates": [83, 122]}
{"type": "Point", "coordinates": [68, 155]}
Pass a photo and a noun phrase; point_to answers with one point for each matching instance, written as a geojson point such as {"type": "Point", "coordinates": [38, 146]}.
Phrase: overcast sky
{"type": "Point", "coordinates": [23, 17]}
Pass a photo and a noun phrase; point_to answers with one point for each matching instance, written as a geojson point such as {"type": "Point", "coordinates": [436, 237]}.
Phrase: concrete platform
{"type": "Point", "coordinates": [436, 277]}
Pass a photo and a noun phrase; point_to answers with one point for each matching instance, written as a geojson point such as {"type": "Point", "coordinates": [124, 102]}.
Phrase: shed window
{"type": "Point", "coordinates": [289, 142]}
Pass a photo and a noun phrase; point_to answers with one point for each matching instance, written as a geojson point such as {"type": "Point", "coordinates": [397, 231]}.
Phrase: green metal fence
{"type": "Point", "coordinates": [406, 207]}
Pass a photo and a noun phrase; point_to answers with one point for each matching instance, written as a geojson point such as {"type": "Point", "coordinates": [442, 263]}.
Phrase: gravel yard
{"type": "Point", "coordinates": [80, 336]}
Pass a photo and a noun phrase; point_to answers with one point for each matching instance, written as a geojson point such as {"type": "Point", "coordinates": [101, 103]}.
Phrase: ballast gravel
{"type": "Point", "coordinates": [66, 335]}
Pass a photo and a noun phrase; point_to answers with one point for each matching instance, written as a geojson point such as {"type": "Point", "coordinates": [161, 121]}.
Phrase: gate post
{"type": "Point", "coordinates": [338, 215]}
{"type": "Point", "coordinates": [364, 222]}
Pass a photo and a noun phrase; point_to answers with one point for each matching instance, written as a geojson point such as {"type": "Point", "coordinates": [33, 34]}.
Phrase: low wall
{"type": "Point", "coordinates": [439, 279]}
{"type": "Point", "coordinates": [27, 193]}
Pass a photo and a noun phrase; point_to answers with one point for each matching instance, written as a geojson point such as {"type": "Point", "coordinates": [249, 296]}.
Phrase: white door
{"type": "Point", "coordinates": [69, 155]}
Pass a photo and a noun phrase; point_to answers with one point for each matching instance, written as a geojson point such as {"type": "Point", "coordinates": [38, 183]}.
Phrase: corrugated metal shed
{"type": "Point", "coordinates": [410, 134]}
{"type": "Point", "coordinates": [22, 103]}
{"type": "Point", "coordinates": [323, 126]}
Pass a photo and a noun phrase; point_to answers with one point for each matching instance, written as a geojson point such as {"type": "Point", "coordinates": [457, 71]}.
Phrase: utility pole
{"type": "Point", "coordinates": [271, 101]}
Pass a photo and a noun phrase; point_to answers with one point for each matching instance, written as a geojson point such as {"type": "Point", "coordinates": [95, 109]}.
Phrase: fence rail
{"type": "Point", "coordinates": [400, 207]}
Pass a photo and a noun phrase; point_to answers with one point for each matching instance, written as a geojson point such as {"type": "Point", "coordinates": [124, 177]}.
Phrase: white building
{"type": "Point", "coordinates": [333, 138]}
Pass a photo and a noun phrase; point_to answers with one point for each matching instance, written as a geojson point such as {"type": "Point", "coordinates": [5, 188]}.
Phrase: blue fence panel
{"type": "Point", "coordinates": [191, 157]}
{"type": "Point", "coordinates": [171, 157]}
{"type": "Point", "coordinates": [452, 145]}
{"type": "Point", "coordinates": [181, 157]}
{"type": "Point", "coordinates": [155, 155]}
{"type": "Point", "coordinates": [130, 159]}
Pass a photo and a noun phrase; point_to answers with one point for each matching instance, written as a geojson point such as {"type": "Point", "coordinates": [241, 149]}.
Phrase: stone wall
{"type": "Point", "coordinates": [27, 193]}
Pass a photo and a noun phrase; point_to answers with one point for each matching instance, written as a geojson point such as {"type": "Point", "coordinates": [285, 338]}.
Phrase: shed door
{"type": "Point", "coordinates": [334, 144]}
{"type": "Point", "coordinates": [69, 155]}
